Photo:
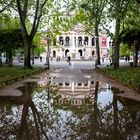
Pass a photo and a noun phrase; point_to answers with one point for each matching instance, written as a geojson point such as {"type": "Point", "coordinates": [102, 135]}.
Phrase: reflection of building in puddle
{"type": "Point", "coordinates": [75, 101]}
{"type": "Point", "coordinates": [75, 93]}
{"type": "Point", "coordinates": [74, 87]}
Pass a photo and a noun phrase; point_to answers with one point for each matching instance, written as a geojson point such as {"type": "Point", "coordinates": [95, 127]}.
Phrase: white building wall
{"type": "Point", "coordinates": [74, 47]}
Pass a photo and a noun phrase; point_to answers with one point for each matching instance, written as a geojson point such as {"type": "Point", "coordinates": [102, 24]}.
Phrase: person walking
{"type": "Point", "coordinates": [69, 59]}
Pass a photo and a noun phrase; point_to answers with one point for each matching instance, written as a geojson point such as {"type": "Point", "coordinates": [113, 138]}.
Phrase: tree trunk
{"type": "Point", "coordinates": [27, 48]}
{"type": "Point", "coordinates": [27, 55]}
{"type": "Point", "coordinates": [7, 57]}
{"type": "Point", "coordinates": [117, 43]}
{"type": "Point", "coordinates": [136, 47]}
{"type": "Point", "coordinates": [97, 45]}
{"type": "Point", "coordinates": [10, 60]}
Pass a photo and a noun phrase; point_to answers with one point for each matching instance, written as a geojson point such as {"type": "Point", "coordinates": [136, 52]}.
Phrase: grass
{"type": "Point", "coordinates": [129, 76]}
{"type": "Point", "coordinates": [7, 73]}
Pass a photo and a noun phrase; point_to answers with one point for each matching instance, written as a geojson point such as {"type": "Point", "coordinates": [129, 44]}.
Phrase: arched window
{"type": "Point", "coordinates": [67, 84]}
{"type": "Point", "coordinates": [79, 41]}
{"type": "Point", "coordinates": [61, 40]}
{"type": "Point", "coordinates": [67, 41]}
{"type": "Point", "coordinates": [93, 42]}
{"type": "Point", "coordinates": [86, 40]}
{"type": "Point", "coordinates": [79, 84]}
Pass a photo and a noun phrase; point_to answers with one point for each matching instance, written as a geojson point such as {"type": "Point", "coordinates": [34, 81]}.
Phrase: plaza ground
{"type": "Point", "coordinates": [76, 71]}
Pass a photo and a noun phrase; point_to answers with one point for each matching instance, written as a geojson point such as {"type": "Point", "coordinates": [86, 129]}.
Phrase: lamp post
{"type": "Point", "coordinates": [111, 45]}
{"type": "Point", "coordinates": [48, 52]}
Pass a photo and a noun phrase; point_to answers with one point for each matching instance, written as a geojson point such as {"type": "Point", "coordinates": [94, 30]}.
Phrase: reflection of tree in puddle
{"type": "Point", "coordinates": [30, 127]}
{"type": "Point", "coordinates": [26, 129]}
{"type": "Point", "coordinates": [90, 120]}
{"type": "Point", "coordinates": [94, 121]}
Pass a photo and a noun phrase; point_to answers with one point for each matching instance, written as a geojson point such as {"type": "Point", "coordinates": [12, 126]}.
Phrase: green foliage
{"type": "Point", "coordinates": [90, 14]}
{"type": "Point", "coordinates": [37, 44]}
{"type": "Point", "coordinates": [132, 18]}
{"type": "Point", "coordinates": [131, 35]}
{"type": "Point", "coordinates": [7, 73]}
{"type": "Point", "coordinates": [10, 33]}
{"type": "Point", "coordinates": [7, 22]}
{"type": "Point", "coordinates": [126, 75]}
{"type": "Point", "coordinates": [5, 6]}
{"type": "Point", "coordinates": [131, 25]}
{"type": "Point", "coordinates": [10, 39]}
{"type": "Point", "coordinates": [125, 50]}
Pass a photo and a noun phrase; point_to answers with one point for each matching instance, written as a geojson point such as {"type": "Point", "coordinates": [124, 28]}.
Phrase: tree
{"type": "Point", "coordinates": [25, 8]}
{"type": "Point", "coordinates": [10, 39]}
{"type": "Point", "coordinates": [91, 17]}
{"type": "Point", "coordinates": [131, 38]}
{"type": "Point", "coordinates": [10, 35]}
{"type": "Point", "coordinates": [132, 27]}
{"type": "Point", "coordinates": [118, 11]}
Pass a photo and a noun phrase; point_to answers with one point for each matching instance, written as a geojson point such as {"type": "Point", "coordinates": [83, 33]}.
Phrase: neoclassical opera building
{"type": "Point", "coordinates": [78, 44]}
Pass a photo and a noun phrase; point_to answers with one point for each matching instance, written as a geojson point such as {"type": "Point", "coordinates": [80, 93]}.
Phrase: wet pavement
{"type": "Point", "coordinates": [68, 103]}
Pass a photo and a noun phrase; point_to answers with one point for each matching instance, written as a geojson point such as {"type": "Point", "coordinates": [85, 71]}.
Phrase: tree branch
{"type": "Point", "coordinates": [7, 5]}
{"type": "Point", "coordinates": [21, 15]}
{"type": "Point", "coordinates": [25, 9]}
{"type": "Point", "coordinates": [37, 18]}
{"type": "Point", "coordinates": [108, 31]}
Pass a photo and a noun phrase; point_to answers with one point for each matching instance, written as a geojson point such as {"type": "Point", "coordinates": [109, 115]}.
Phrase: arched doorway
{"type": "Point", "coordinates": [66, 53]}
{"type": "Point", "coordinates": [81, 53]}
{"type": "Point", "coordinates": [93, 53]}
{"type": "Point", "coordinates": [54, 53]}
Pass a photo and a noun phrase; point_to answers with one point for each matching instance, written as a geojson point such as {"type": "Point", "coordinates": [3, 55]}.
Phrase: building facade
{"type": "Point", "coordinates": [78, 44]}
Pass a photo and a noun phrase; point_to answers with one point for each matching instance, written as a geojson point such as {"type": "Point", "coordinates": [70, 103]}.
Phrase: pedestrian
{"type": "Point", "coordinates": [51, 58]}
{"type": "Point", "coordinates": [57, 59]}
{"type": "Point", "coordinates": [40, 58]}
{"type": "Point", "coordinates": [69, 59]}
{"type": "Point", "coordinates": [103, 59]}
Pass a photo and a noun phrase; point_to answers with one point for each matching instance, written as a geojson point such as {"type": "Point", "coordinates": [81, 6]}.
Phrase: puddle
{"type": "Point", "coordinates": [88, 110]}
{"type": "Point", "coordinates": [46, 77]}
{"type": "Point", "coordinates": [57, 70]}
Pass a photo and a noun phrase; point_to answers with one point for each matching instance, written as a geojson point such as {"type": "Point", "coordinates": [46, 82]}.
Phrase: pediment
{"type": "Point", "coordinates": [78, 28]}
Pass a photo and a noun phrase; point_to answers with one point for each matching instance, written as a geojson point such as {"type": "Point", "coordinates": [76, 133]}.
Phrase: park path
{"type": "Point", "coordinates": [77, 72]}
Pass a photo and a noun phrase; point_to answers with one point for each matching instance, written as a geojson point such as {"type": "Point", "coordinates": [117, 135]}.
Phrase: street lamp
{"type": "Point", "coordinates": [111, 45]}
{"type": "Point", "coordinates": [48, 52]}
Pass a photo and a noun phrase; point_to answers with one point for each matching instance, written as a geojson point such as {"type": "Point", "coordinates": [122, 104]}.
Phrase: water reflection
{"type": "Point", "coordinates": [30, 126]}
{"type": "Point", "coordinates": [69, 111]}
